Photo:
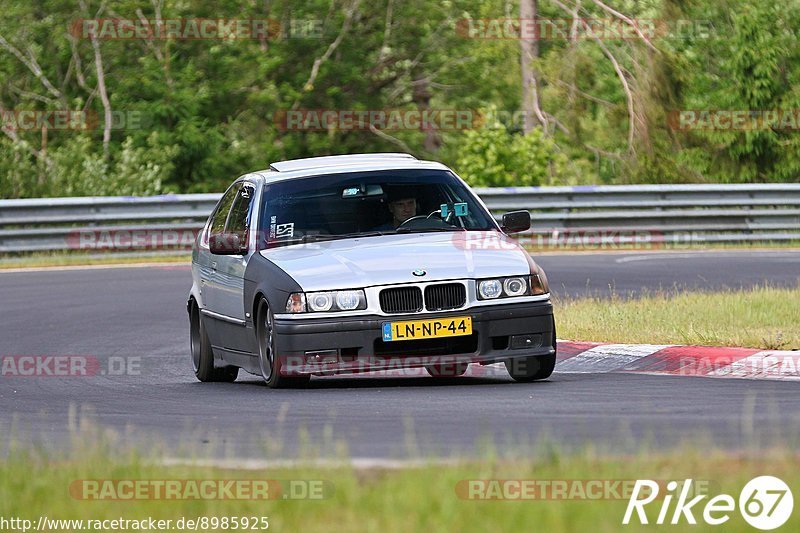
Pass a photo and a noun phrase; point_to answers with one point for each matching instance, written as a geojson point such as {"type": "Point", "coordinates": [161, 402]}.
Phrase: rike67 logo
{"type": "Point", "coordinates": [765, 503]}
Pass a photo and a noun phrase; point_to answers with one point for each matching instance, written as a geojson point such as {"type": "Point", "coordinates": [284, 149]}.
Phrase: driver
{"type": "Point", "coordinates": [402, 209]}
{"type": "Point", "coordinates": [402, 206]}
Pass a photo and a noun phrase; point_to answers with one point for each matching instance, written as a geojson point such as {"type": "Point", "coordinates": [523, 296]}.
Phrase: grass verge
{"type": "Point", "coordinates": [572, 247]}
{"type": "Point", "coordinates": [762, 317]}
{"type": "Point", "coordinates": [434, 497]}
{"type": "Point", "coordinates": [57, 259]}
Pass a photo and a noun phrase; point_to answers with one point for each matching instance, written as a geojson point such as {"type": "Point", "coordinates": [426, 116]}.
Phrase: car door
{"type": "Point", "coordinates": [206, 261]}
{"type": "Point", "coordinates": [229, 275]}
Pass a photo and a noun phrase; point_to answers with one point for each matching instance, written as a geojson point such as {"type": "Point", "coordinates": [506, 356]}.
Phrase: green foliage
{"type": "Point", "coordinates": [75, 169]}
{"type": "Point", "coordinates": [209, 105]}
{"type": "Point", "coordinates": [136, 171]}
{"type": "Point", "coordinates": [493, 157]}
{"type": "Point", "coordinates": [753, 68]}
{"type": "Point", "coordinates": [16, 171]}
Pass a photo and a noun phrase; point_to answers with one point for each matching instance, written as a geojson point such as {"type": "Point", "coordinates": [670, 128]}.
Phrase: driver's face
{"type": "Point", "coordinates": [403, 209]}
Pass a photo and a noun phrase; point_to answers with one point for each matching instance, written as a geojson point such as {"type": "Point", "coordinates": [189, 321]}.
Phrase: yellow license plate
{"type": "Point", "coordinates": [427, 329]}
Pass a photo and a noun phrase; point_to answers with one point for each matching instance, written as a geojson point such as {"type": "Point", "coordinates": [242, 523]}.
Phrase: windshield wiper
{"type": "Point", "coordinates": [427, 230]}
{"type": "Point", "coordinates": [371, 233]}
{"type": "Point", "coordinates": [318, 237]}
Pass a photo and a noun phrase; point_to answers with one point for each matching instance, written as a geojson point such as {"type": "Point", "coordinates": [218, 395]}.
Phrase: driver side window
{"type": "Point", "coordinates": [217, 223]}
{"type": "Point", "coordinates": [239, 217]}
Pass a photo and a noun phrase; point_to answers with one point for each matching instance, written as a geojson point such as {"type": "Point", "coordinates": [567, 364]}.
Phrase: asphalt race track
{"type": "Point", "coordinates": [627, 274]}
{"type": "Point", "coordinates": [136, 317]}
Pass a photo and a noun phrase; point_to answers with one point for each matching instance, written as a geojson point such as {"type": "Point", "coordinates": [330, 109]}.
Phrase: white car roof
{"type": "Point", "coordinates": [336, 164]}
{"type": "Point", "coordinates": [334, 160]}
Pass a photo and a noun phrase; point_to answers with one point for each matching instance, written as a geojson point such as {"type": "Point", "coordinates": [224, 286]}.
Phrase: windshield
{"type": "Point", "coordinates": [361, 204]}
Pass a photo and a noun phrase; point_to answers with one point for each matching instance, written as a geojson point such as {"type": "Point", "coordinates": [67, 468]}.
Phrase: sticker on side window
{"type": "Point", "coordinates": [284, 231]}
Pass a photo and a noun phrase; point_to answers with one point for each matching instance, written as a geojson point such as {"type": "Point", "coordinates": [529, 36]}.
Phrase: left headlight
{"type": "Point", "coordinates": [325, 301]}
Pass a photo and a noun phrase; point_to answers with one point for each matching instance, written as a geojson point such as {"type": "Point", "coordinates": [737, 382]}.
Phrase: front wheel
{"type": "Point", "coordinates": [527, 369]}
{"type": "Point", "coordinates": [269, 362]}
{"type": "Point", "coordinates": [202, 356]}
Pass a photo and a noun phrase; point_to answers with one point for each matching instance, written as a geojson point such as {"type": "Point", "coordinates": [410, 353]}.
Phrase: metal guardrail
{"type": "Point", "coordinates": [561, 216]}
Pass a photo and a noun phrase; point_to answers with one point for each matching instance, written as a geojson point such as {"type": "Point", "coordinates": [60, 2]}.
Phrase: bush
{"type": "Point", "coordinates": [77, 169]}
{"type": "Point", "coordinates": [495, 157]}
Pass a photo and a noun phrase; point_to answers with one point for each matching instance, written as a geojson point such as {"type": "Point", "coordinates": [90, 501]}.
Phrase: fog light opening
{"type": "Point", "coordinates": [323, 357]}
{"type": "Point", "coordinates": [520, 342]}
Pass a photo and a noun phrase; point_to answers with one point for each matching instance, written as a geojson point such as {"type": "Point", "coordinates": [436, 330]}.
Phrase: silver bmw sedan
{"type": "Point", "coordinates": [363, 263]}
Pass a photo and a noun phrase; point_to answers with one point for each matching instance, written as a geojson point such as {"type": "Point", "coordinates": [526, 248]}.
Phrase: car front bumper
{"type": "Point", "coordinates": [355, 344]}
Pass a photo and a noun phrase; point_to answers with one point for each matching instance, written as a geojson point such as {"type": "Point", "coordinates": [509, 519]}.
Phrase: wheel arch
{"type": "Point", "coordinates": [263, 278]}
{"type": "Point", "coordinates": [259, 294]}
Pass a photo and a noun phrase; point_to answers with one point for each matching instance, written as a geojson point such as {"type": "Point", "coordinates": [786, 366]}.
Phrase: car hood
{"type": "Point", "coordinates": [389, 259]}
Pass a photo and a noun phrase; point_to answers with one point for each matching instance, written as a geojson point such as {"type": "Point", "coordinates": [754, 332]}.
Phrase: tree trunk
{"type": "Point", "coordinates": [421, 96]}
{"type": "Point", "coordinates": [529, 51]}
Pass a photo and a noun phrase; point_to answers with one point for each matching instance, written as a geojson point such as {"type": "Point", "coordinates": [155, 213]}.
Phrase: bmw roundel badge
{"type": "Point", "coordinates": [419, 272]}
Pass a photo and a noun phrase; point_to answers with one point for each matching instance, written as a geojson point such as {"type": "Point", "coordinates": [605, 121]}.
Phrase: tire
{"type": "Point", "coordinates": [269, 364]}
{"type": "Point", "coordinates": [535, 368]}
{"type": "Point", "coordinates": [203, 357]}
{"type": "Point", "coordinates": [447, 370]}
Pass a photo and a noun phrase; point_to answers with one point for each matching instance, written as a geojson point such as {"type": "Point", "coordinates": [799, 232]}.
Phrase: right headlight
{"type": "Point", "coordinates": [320, 301]}
{"type": "Point", "coordinates": [490, 289]}
{"type": "Point", "coordinates": [323, 301]}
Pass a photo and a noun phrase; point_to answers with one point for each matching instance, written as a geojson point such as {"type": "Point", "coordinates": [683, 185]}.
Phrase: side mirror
{"type": "Point", "coordinates": [516, 221]}
{"type": "Point", "coordinates": [226, 244]}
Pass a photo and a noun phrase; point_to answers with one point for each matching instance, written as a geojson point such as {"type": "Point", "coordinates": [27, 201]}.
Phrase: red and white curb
{"type": "Point", "coordinates": [676, 360]}
{"type": "Point", "coordinates": [652, 359]}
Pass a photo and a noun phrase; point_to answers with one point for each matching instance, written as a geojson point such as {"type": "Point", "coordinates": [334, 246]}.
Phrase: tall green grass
{"type": "Point", "coordinates": [762, 317]}
{"type": "Point", "coordinates": [68, 258]}
{"type": "Point", "coordinates": [420, 498]}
